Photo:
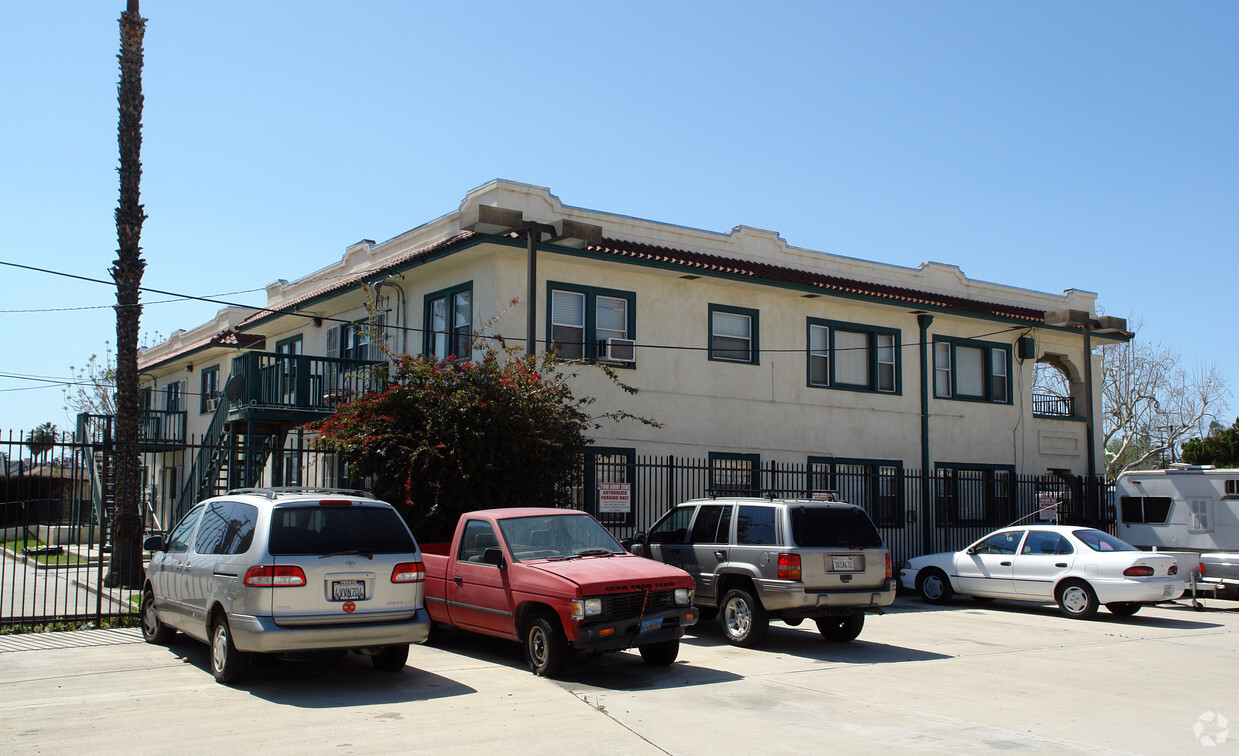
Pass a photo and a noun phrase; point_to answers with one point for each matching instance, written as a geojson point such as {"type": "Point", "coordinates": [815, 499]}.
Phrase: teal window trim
{"type": "Point", "coordinates": [988, 347]}
{"type": "Point", "coordinates": [282, 345]}
{"type": "Point", "coordinates": [589, 351]}
{"type": "Point", "coordinates": [993, 510]}
{"type": "Point", "coordinates": [888, 510]}
{"type": "Point", "coordinates": [208, 396]}
{"type": "Point", "coordinates": [754, 466]}
{"type": "Point", "coordinates": [754, 334]}
{"type": "Point", "coordinates": [872, 354]}
{"type": "Point", "coordinates": [453, 339]}
{"type": "Point", "coordinates": [610, 519]}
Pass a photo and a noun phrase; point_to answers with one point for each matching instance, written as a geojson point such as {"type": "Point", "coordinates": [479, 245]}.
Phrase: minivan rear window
{"type": "Point", "coordinates": [834, 527]}
{"type": "Point", "coordinates": [327, 530]}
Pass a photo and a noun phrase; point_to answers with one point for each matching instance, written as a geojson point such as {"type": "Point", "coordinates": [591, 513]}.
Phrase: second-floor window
{"type": "Point", "coordinates": [733, 334]}
{"type": "Point", "coordinates": [449, 323]}
{"type": "Point", "coordinates": [972, 371]}
{"type": "Point", "coordinates": [209, 398]}
{"type": "Point", "coordinates": [849, 356]}
{"type": "Point", "coordinates": [174, 397]}
{"type": "Point", "coordinates": [358, 340]}
{"type": "Point", "coordinates": [588, 323]}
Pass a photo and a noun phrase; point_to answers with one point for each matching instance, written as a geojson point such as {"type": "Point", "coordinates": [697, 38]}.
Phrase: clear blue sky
{"type": "Point", "coordinates": [1049, 145]}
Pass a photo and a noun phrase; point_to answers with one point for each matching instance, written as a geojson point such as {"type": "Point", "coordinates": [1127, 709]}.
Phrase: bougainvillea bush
{"type": "Point", "coordinates": [451, 436]}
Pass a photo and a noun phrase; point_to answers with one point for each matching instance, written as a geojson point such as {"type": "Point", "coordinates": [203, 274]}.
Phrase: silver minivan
{"type": "Point", "coordinates": [287, 570]}
{"type": "Point", "coordinates": [758, 559]}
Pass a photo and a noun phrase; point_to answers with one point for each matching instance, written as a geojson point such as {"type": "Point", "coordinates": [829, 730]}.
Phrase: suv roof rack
{"type": "Point", "coordinates": [271, 492]}
{"type": "Point", "coordinates": [773, 493]}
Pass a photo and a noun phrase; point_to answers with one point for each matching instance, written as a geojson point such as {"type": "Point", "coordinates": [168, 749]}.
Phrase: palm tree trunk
{"type": "Point", "coordinates": [126, 562]}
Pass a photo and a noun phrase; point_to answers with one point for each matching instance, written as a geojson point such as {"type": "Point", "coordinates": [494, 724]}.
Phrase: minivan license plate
{"type": "Point", "coordinates": [347, 590]}
{"type": "Point", "coordinates": [844, 564]}
{"type": "Point", "coordinates": [650, 625]}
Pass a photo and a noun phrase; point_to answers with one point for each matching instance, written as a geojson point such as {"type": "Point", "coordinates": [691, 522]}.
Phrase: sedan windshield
{"type": "Point", "coordinates": [1099, 541]}
{"type": "Point", "coordinates": [557, 537]}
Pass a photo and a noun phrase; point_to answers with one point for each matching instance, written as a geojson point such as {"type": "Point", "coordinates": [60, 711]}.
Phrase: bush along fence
{"type": "Point", "coordinates": [56, 507]}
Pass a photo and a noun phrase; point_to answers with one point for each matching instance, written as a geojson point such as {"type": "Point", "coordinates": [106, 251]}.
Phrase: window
{"type": "Point", "coordinates": [588, 323]}
{"type": "Point", "coordinates": [972, 371]}
{"type": "Point", "coordinates": [1046, 543]}
{"type": "Point", "coordinates": [874, 485]}
{"type": "Point", "coordinates": [449, 323]}
{"type": "Point", "coordinates": [733, 472]}
{"type": "Point", "coordinates": [178, 541]}
{"type": "Point", "coordinates": [358, 340]}
{"type": "Point", "coordinates": [479, 535]}
{"type": "Point", "coordinates": [673, 527]}
{"type": "Point", "coordinates": [977, 494]}
{"type": "Point", "coordinates": [1005, 542]}
{"type": "Point", "coordinates": [755, 526]}
{"type": "Point", "coordinates": [1154, 510]}
{"type": "Point", "coordinates": [174, 396]}
{"type": "Point", "coordinates": [713, 524]}
{"type": "Point", "coordinates": [227, 528]}
{"type": "Point", "coordinates": [853, 357]}
{"type": "Point", "coordinates": [209, 396]}
{"type": "Point", "coordinates": [733, 334]}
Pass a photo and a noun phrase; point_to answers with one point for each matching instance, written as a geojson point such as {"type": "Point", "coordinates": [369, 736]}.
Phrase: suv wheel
{"type": "Point", "coordinates": [227, 663]}
{"type": "Point", "coordinates": [743, 619]}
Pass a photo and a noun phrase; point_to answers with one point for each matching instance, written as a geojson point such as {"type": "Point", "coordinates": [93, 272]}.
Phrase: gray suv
{"type": "Point", "coordinates": [757, 559]}
{"type": "Point", "coordinates": [287, 570]}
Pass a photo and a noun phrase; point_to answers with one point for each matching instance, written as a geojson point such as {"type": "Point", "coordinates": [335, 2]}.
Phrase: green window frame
{"type": "Point", "coordinates": [967, 370]}
{"type": "Point", "coordinates": [877, 485]}
{"type": "Point", "coordinates": [606, 464]}
{"type": "Point", "coordinates": [581, 319]}
{"type": "Point", "coordinates": [977, 494]}
{"type": "Point", "coordinates": [208, 397]}
{"type": "Point", "coordinates": [734, 334]}
{"type": "Point", "coordinates": [733, 473]}
{"type": "Point", "coordinates": [447, 323]}
{"type": "Point", "coordinates": [853, 357]}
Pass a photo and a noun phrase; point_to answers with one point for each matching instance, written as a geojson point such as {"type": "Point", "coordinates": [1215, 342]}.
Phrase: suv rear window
{"type": "Point", "coordinates": [834, 527]}
{"type": "Point", "coordinates": [330, 529]}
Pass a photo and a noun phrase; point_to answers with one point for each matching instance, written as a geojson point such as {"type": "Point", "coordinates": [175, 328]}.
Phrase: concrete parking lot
{"type": "Point", "coordinates": [965, 677]}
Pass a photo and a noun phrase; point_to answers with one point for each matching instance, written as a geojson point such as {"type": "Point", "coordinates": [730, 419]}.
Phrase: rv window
{"type": "Point", "coordinates": [1232, 487]}
{"type": "Point", "coordinates": [1151, 509]}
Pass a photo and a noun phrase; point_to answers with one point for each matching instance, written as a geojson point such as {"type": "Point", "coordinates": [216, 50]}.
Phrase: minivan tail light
{"type": "Point", "coordinates": [278, 576]}
{"type": "Point", "coordinates": [789, 566]}
{"type": "Point", "coordinates": [408, 572]}
{"type": "Point", "coordinates": [889, 573]}
{"type": "Point", "coordinates": [1139, 570]}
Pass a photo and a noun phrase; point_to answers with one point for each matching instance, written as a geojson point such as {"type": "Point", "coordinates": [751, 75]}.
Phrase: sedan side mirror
{"type": "Point", "coordinates": [972, 551]}
{"type": "Point", "coordinates": [494, 555]}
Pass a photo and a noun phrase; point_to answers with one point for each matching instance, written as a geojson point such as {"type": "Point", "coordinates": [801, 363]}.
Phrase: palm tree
{"type": "Point", "coordinates": [41, 440]}
{"type": "Point", "coordinates": [126, 562]}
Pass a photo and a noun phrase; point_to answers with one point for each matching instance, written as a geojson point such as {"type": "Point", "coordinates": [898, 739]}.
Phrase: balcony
{"type": "Point", "coordinates": [1049, 405]}
{"type": "Point", "coordinates": [158, 430]}
{"type": "Point", "coordinates": [270, 385]}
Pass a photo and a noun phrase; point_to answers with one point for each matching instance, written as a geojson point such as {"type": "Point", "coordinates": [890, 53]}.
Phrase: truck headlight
{"type": "Point", "coordinates": [582, 608]}
{"type": "Point", "coordinates": [683, 596]}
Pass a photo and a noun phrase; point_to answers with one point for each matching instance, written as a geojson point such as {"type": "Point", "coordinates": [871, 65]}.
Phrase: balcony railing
{"type": "Point", "coordinates": [292, 381]}
{"type": "Point", "coordinates": [1048, 405]}
{"type": "Point", "coordinates": [163, 428]}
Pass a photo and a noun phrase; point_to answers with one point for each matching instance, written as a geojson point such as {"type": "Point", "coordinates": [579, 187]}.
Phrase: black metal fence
{"type": "Point", "coordinates": [55, 509]}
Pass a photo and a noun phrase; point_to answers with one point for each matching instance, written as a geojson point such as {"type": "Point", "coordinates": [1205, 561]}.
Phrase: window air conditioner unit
{"type": "Point", "coordinates": [618, 350]}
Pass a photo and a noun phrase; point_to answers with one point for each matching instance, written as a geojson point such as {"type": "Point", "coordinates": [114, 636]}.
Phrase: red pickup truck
{"type": "Point", "coordinates": [555, 580]}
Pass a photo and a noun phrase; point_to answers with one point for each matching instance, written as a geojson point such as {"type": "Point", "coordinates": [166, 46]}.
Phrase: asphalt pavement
{"type": "Point", "coordinates": [963, 678]}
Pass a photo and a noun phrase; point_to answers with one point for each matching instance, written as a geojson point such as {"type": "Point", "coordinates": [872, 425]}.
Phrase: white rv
{"type": "Point", "coordinates": [1192, 508]}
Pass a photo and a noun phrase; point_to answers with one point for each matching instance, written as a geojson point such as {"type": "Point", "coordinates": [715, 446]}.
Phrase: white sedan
{"type": "Point", "coordinates": [1079, 568]}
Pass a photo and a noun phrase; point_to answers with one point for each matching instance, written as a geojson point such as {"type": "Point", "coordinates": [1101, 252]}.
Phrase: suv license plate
{"type": "Point", "coordinates": [347, 590]}
{"type": "Point", "coordinates": [650, 625]}
{"type": "Point", "coordinates": [844, 564]}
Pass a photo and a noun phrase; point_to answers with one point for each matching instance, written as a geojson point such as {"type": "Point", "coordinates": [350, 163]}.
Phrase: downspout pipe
{"type": "Point", "coordinates": [927, 528]}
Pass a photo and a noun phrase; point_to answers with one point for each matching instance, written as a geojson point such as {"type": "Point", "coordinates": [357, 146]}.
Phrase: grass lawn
{"type": "Point", "coordinates": [47, 560]}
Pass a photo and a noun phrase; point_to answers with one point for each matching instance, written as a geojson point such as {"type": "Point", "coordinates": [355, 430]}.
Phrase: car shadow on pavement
{"type": "Point", "coordinates": [623, 670]}
{"type": "Point", "coordinates": [1142, 619]}
{"type": "Point", "coordinates": [804, 641]}
{"type": "Point", "coordinates": [325, 681]}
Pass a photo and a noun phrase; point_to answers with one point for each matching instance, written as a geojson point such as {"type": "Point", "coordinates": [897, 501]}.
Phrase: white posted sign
{"type": "Point", "coordinates": [615, 498]}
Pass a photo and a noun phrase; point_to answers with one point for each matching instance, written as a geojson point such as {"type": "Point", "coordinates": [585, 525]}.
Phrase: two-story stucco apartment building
{"type": "Point", "coordinates": [748, 350]}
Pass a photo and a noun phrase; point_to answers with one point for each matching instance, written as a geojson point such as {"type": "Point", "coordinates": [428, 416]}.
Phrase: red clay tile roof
{"type": "Point", "coordinates": [766, 272]}
{"type": "Point", "coordinates": [223, 338]}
